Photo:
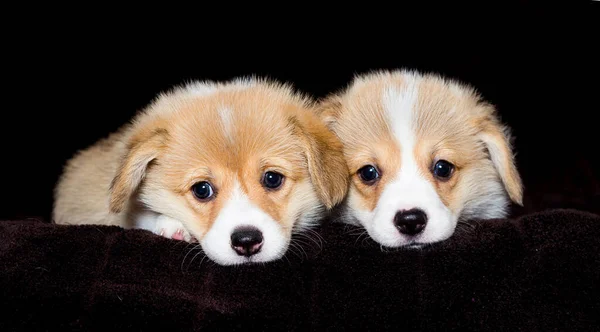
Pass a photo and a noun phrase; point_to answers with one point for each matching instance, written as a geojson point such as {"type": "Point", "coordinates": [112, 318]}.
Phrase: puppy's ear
{"type": "Point", "coordinates": [142, 148]}
{"type": "Point", "coordinates": [329, 110]}
{"type": "Point", "coordinates": [325, 157]}
{"type": "Point", "coordinates": [497, 139]}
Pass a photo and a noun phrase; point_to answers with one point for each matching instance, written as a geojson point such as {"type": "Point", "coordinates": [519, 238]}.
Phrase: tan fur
{"type": "Point", "coordinates": [179, 141]}
{"type": "Point", "coordinates": [451, 122]}
{"type": "Point", "coordinates": [386, 155]}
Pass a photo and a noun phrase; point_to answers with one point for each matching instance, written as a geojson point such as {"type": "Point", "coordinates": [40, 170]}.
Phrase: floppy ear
{"type": "Point", "coordinates": [497, 139]}
{"type": "Point", "coordinates": [325, 157]}
{"type": "Point", "coordinates": [142, 148]}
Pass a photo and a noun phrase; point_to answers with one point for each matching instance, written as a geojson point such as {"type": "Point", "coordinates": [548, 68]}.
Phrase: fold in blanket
{"type": "Point", "coordinates": [538, 272]}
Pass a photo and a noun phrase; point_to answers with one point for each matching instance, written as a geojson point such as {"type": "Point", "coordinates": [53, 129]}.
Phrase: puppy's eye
{"type": "Point", "coordinates": [368, 174]}
{"type": "Point", "coordinates": [272, 180]}
{"type": "Point", "coordinates": [203, 190]}
{"type": "Point", "coordinates": [443, 169]}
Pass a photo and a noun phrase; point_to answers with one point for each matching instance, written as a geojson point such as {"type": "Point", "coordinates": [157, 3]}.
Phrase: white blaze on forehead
{"type": "Point", "coordinates": [226, 117]}
{"type": "Point", "coordinates": [399, 104]}
{"type": "Point", "coordinates": [240, 211]}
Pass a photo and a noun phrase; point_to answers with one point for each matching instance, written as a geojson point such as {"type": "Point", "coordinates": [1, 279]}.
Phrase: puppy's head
{"type": "Point", "coordinates": [242, 164]}
{"type": "Point", "coordinates": [423, 152]}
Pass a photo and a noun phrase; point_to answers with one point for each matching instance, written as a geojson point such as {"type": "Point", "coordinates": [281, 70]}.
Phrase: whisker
{"type": "Point", "coordinates": [180, 243]}
{"type": "Point", "coordinates": [287, 259]}
{"type": "Point", "coordinates": [301, 249]}
{"type": "Point", "coordinates": [467, 224]}
{"type": "Point", "coordinates": [307, 241]}
{"type": "Point", "coordinates": [350, 230]}
{"type": "Point", "coordinates": [203, 258]}
{"type": "Point", "coordinates": [362, 235]}
{"type": "Point", "coordinates": [300, 243]}
{"type": "Point", "coordinates": [189, 251]}
{"type": "Point", "coordinates": [291, 249]}
{"type": "Point", "coordinates": [307, 238]}
{"type": "Point", "coordinates": [363, 242]}
{"type": "Point", "coordinates": [366, 240]}
{"type": "Point", "coordinates": [196, 255]}
{"type": "Point", "coordinates": [463, 228]}
{"type": "Point", "coordinates": [318, 239]}
{"type": "Point", "coordinates": [356, 233]}
{"type": "Point", "coordinates": [298, 251]}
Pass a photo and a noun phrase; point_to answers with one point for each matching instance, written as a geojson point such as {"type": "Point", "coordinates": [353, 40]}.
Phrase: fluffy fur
{"type": "Point", "coordinates": [228, 134]}
{"type": "Point", "coordinates": [403, 122]}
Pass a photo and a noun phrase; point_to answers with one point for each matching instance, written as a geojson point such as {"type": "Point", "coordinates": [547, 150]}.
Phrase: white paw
{"type": "Point", "coordinates": [172, 229]}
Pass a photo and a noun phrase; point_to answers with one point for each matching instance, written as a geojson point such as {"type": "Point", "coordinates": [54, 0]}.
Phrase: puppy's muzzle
{"type": "Point", "coordinates": [246, 241]}
{"type": "Point", "coordinates": [410, 222]}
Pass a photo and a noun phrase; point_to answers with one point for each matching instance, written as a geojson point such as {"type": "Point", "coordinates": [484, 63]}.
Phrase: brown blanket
{"type": "Point", "coordinates": [535, 273]}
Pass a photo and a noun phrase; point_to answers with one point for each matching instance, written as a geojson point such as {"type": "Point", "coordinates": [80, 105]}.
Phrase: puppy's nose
{"type": "Point", "coordinates": [410, 222]}
{"type": "Point", "coordinates": [246, 241]}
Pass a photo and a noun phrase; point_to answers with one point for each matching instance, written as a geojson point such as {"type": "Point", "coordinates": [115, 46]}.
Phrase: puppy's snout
{"type": "Point", "coordinates": [410, 222]}
{"type": "Point", "coordinates": [246, 241]}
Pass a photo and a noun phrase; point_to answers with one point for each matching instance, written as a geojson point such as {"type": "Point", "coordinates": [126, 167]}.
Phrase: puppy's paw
{"type": "Point", "coordinates": [172, 229]}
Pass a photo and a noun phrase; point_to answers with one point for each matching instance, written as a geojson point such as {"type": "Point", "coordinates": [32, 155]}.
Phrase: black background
{"type": "Point", "coordinates": [72, 79]}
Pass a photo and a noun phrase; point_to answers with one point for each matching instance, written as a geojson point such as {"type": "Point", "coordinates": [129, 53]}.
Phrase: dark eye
{"type": "Point", "coordinates": [368, 174]}
{"type": "Point", "coordinates": [203, 190]}
{"type": "Point", "coordinates": [272, 180]}
{"type": "Point", "coordinates": [443, 169]}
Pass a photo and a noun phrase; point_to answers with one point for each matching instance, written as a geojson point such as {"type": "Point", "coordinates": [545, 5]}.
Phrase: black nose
{"type": "Point", "coordinates": [410, 222]}
{"type": "Point", "coordinates": [246, 241]}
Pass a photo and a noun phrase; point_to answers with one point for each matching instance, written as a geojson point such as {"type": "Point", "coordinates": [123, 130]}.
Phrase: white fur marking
{"type": "Point", "coordinates": [226, 116]}
{"type": "Point", "coordinates": [399, 106]}
{"type": "Point", "coordinates": [240, 211]}
{"type": "Point", "coordinates": [160, 224]}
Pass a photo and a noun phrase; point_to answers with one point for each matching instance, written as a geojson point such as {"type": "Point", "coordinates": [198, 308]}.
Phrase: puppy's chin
{"type": "Point", "coordinates": [394, 239]}
{"type": "Point", "coordinates": [218, 243]}
{"type": "Point", "coordinates": [380, 227]}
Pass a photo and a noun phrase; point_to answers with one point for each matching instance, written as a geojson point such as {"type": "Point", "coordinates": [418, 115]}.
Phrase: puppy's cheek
{"type": "Point", "coordinates": [216, 244]}
{"type": "Point", "coordinates": [275, 241]}
{"type": "Point", "coordinates": [383, 229]}
{"type": "Point", "coordinates": [374, 222]}
{"type": "Point", "coordinates": [358, 214]}
{"type": "Point", "coordinates": [440, 226]}
{"type": "Point", "coordinates": [481, 194]}
{"type": "Point", "coordinates": [304, 210]}
{"type": "Point", "coordinates": [353, 213]}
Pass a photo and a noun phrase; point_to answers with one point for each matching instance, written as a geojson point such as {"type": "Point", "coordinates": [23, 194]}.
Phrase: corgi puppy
{"type": "Point", "coordinates": [423, 152]}
{"type": "Point", "coordinates": [237, 165]}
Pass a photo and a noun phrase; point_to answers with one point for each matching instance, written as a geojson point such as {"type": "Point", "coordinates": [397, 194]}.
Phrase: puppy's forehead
{"type": "Point", "coordinates": [387, 105]}
{"type": "Point", "coordinates": [444, 107]}
{"type": "Point", "coordinates": [363, 118]}
{"type": "Point", "coordinates": [234, 124]}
